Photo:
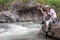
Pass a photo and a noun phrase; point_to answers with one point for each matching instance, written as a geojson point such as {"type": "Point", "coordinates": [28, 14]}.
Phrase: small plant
{"type": "Point", "coordinates": [6, 3]}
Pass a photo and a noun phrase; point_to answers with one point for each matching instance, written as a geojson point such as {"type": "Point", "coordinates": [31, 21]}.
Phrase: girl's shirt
{"type": "Point", "coordinates": [51, 12]}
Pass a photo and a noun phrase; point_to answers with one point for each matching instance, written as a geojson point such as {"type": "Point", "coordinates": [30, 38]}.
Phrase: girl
{"type": "Point", "coordinates": [48, 13]}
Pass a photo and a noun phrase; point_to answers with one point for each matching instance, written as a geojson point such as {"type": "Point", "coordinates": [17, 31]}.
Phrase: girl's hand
{"type": "Point", "coordinates": [39, 8]}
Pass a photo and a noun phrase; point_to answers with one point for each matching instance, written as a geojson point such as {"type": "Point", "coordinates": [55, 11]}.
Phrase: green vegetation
{"type": "Point", "coordinates": [25, 1]}
{"type": "Point", "coordinates": [50, 2]}
{"type": "Point", "coordinates": [41, 1]}
{"type": "Point", "coordinates": [6, 3]}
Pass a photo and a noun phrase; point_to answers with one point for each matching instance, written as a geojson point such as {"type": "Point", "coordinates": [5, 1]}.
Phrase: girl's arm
{"type": "Point", "coordinates": [41, 10]}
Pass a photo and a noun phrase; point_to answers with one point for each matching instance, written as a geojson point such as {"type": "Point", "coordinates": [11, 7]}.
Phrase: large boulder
{"type": "Point", "coordinates": [54, 30]}
{"type": "Point", "coordinates": [7, 16]}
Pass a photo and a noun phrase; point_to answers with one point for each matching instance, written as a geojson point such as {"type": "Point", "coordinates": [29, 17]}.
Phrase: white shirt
{"type": "Point", "coordinates": [52, 11]}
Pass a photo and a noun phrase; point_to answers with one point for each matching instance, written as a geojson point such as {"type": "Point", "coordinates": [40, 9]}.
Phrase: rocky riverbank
{"type": "Point", "coordinates": [20, 12]}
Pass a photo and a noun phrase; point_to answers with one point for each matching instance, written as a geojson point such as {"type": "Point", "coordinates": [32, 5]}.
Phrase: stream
{"type": "Point", "coordinates": [21, 31]}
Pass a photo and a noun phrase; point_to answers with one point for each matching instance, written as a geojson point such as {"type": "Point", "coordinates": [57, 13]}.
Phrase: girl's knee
{"type": "Point", "coordinates": [47, 23]}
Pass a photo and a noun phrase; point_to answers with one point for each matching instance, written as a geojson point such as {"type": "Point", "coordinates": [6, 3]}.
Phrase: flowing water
{"type": "Point", "coordinates": [20, 31]}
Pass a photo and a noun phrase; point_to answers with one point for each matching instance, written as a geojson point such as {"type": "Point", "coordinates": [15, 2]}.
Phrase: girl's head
{"type": "Point", "coordinates": [47, 8]}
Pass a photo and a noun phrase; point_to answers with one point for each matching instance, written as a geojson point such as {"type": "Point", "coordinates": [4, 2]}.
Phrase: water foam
{"type": "Point", "coordinates": [15, 31]}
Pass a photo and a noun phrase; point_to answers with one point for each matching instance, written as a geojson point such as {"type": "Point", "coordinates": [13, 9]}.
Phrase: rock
{"type": "Point", "coordinates": [25, 12]}
{"type": "Point", "coordinates": [17, 5]}
{"type": "Point", "coordinates": [7, 16]}
{"type": "Point", "coordinates": [54, 30]}
{"type": "Point", "coordinates": [18, 16]}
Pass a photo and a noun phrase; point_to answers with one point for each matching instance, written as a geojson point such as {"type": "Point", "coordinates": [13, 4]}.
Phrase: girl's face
{"type": "Point", "coordinates": [48, 9]}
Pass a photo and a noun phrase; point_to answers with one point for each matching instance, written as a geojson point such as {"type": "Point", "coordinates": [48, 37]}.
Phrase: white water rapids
{"type": "Point", "coordinates": [9, 31]}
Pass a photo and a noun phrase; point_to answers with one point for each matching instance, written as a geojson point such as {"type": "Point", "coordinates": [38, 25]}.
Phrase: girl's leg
{"type": "Point", "coordinates": [47, 26]}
